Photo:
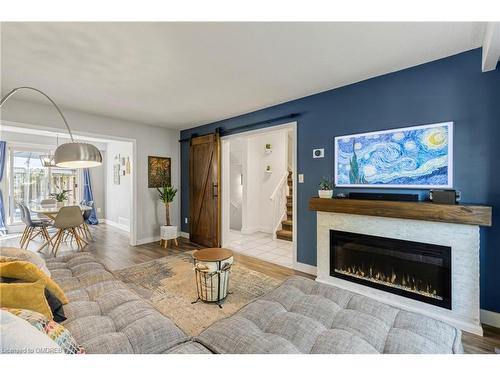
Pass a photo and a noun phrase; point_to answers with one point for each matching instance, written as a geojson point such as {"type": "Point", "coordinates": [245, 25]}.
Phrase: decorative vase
{"type": "Point", "coordinates": [59, 204]}
{"type": "Point", "coordinates": [325, 193]}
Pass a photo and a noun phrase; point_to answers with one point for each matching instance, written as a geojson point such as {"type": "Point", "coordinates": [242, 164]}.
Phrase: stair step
{"type": "Point", "coordinates": [287, 225]}
{"type": "Point", "coordinates": [284, 235]}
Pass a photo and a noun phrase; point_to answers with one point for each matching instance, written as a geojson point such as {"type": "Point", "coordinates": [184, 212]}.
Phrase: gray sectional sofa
{"type": "Point", "coordinates": [300, 316]}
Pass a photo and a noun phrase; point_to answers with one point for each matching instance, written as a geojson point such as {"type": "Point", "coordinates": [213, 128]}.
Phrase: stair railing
{"type": "Point", "coordinates": [278, 201]}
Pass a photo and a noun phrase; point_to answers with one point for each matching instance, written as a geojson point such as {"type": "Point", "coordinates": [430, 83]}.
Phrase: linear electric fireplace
{"type": "Point", "coordinates": [415, 270]}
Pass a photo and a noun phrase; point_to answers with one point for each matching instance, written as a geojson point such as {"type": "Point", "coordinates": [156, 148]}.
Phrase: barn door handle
{"type": "Point", "coordinates": [215, 190]}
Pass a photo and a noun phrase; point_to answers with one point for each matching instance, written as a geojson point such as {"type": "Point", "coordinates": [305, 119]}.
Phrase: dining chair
{"type": "Point", "coordinates": [86, 215]}
{"type": "Point", "coordinates": [67, 221]}
{"type": "Point", "coordinates": [33, 229]}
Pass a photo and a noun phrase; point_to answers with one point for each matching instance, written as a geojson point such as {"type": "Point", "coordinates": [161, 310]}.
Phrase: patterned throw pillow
{"type": "Point", "coordinates": [60, 335]}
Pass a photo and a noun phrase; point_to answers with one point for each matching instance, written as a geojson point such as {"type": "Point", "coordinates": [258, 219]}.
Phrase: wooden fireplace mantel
{"type": "Point", "coordinates": [448, 213]}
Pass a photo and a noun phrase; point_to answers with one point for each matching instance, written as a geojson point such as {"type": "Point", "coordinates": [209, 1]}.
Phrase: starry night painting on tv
{"type": "Point", "coordinates": [414, 157]}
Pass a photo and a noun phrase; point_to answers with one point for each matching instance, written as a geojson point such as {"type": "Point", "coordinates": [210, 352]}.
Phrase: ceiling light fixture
{"type": "Point", "coordinates": [47, 160]}
{"type": "Point", "coordinates": [67, 155]}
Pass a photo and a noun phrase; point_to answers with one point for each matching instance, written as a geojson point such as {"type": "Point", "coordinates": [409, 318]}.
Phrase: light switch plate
{"type": "Point", "coordinates": [318, 153]}
{"type": "Point", "coordinates": [301, 178]}
{"type": "Point", "coordinates": [185, 220]}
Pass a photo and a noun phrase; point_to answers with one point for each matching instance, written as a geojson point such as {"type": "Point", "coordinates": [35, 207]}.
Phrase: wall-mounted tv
{"type": "Point", "coordinates": [419, 157]}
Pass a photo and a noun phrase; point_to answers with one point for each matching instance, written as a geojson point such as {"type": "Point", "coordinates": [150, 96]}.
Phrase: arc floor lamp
{"type": "Point", "coordinates": [67, 155]}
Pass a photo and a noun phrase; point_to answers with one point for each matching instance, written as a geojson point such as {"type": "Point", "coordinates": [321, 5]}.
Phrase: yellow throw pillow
{"type": "Point", "coordinates": [28, 296]}
{"type": "Point", "coordinates": [27, 271]}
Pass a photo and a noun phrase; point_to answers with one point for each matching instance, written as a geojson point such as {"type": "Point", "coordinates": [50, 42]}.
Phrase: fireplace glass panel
{"type": "Point", "coordinates": [416, 270]}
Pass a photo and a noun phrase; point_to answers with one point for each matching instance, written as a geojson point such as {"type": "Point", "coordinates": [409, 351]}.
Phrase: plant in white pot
{"type": "Point", "coordinates": [325, 188]}
{"type": "Point", "coordinates": [167, 231]}
{"type": "Point", "coordinates": [60, 196]}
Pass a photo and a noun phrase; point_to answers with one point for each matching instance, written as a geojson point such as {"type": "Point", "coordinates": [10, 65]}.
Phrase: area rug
{"type": "Point", "coordinates": [169, 284]}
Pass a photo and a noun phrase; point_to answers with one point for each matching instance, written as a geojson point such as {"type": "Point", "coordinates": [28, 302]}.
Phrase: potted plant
{"type": "Point", "coordinates": [60, 196]}
{"type": "Point", "coordinates": [167, 194]}
{"type": "Point", "coordinates": [325, 188]}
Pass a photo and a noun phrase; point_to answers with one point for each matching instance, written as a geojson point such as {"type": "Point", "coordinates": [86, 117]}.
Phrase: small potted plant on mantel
{"type": "Point", "coordinates": [167, 231]}
{"type": "Point", "coordinates": [60, 196]}
{"type": "Point", "coordinates": [325, 188]}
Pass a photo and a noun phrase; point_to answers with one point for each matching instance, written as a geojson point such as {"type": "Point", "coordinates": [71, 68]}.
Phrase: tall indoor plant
{"type": "Point", "coordinates": [167, 194]}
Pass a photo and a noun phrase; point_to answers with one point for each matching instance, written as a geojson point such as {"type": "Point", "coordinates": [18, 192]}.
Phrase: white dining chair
{"type": "Point", "coordinates": [67, 221]}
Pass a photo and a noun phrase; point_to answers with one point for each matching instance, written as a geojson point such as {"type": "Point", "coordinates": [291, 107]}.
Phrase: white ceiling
{"type": "Point", "coordinates": [180, 75]}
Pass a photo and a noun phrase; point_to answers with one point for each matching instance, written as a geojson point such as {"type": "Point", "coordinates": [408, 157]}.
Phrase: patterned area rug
{"type": "Point", "coordinates": [169, 284]}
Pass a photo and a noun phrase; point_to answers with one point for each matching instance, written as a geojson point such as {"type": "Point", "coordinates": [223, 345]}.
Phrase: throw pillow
{"type": "Point", "coordinates": [8, 254]}
{"type": "Point", "coordinates": [60, 335]}
{"type": "Point", "coordinates": [29, 296]}
{"type": "Point", "coordinates": [56, 307]}
{"type": "Point", "coordinates": [20, 337]}
{"type": "Point", "coordinates": [29, 272]}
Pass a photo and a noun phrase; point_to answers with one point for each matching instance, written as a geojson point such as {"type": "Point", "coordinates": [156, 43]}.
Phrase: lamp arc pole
{"type": "Point", "coordinates": [71, 155]}
{"type": "Point", "coordinates": [13, 91]}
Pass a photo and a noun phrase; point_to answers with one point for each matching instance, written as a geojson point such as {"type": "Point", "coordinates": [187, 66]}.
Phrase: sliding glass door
{"type": "Point", "coordinates": [30, 182]}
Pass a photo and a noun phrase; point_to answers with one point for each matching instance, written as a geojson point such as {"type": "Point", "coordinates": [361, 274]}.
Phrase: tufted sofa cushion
{"type": "Point", "coordinates": [303, 316]}
{"type": "Point", "coordinates": [104, 315]}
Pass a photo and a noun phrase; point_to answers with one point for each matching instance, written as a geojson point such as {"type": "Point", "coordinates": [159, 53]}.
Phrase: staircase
{"type": "Point", "coordinates": [285, 233]}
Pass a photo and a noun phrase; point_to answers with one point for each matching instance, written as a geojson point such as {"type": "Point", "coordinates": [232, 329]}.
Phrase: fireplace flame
{"type": "Point", "coordinates": [403, 281]}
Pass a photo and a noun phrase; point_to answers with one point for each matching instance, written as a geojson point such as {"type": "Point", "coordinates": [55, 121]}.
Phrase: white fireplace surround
{"type": "Point", "coordinates": [463, 240]}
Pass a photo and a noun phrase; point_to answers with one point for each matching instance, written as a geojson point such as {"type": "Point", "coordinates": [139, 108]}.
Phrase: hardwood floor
{"type": "Point", "coordinates": [111, 247]}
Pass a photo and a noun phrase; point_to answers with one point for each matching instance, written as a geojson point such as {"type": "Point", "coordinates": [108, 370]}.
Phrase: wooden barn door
{"type": "Point", "coordinates": [204, 188]}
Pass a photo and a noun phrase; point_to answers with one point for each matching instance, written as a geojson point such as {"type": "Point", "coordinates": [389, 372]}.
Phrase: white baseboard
{"type": "Point", "coordinates": [249, 230]}
{"type": "Point", "coordinates": [143, 241]}
{"type": "Point", "coordinates": [306, 268]}
{"type": "Point", "coordinates": [252, 230]}
{"type": "Point", "coordinates": [490, 318]}
{"type": "Point", "coordinates": [116, 225]}
{"type": "Point", "coordinates": [184, 234]}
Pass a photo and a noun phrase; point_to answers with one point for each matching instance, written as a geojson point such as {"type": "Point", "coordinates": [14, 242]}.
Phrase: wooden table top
{"type": "Point", "coordinates": [214, 254]}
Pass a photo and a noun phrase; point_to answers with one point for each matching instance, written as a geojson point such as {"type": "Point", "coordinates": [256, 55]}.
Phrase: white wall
{"type": "Point", "coordinates": [48, 142]}
{"type": "Point", "coordinates": [235, 186]}
{"type": "Point", "coordinates": [149, 140]}
{"type": "Point", "coordinates": [118, 209]}
{"type": "Point", "coordinates": [258, 185]}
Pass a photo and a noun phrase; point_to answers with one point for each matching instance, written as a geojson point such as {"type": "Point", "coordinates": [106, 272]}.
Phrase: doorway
{"type": "Point", "coordinates": [259, 194]}
{"type": "Point", "coordinates": [28, 181]}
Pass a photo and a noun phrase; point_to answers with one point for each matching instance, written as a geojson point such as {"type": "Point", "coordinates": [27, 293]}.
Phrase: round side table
{"type": "Point", "coordinates": [212, 267]}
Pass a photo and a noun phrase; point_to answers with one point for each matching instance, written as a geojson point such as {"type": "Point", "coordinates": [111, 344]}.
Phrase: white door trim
{"type": "Point", "coordinates": [39, 129]}
{"type": "Point", "coordinates": [225, 165]}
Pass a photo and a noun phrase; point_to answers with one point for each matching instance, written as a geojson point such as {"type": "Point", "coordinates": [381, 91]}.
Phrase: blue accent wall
{"type": "Point", "coordinates": [450, 89]}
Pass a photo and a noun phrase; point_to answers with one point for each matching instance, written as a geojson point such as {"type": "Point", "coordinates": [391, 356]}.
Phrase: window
{"type": "Point", "coordinates": [31, 182]}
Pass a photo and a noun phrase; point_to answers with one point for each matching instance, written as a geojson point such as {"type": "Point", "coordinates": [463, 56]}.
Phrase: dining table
{"type": "Point", "coordinates": [51, 211]}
